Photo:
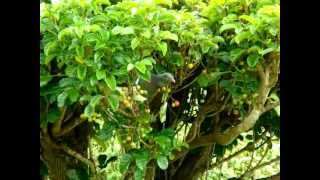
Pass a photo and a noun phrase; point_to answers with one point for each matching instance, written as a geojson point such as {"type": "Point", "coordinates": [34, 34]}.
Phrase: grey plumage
{"type": "Point", "coordinates": [156, 82]}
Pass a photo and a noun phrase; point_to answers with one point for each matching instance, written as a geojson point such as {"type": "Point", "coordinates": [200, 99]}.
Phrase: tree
{"type": "Point", "coordinates": [223, 56]}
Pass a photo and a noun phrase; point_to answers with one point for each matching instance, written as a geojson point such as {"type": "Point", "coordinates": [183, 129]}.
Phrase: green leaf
{"type": "Point", "coordinates": [81, 72]}
{"type": "Point", "coordinates": [65, 32]}
{"type": "Point", "coordinates": [235, 54]}
{"type": "Point", "coordinates": [163, 47]}
{"type": "Point", "coordinates": [61, 99]}
{"type": "Point", "coordinates": [89, 110]}
{"type": "Point", "coordinates": [168, 35]}
{"type": "Point", "coordinates": [164, 2]}
{"type": "Point", "coordinates": [203, 80]}
{"type": "Point", "coordinates": [253, 60]}
{"type": "Point", "coordinates": [149, 61]}
{"type": "Point", "coordinates": [146, 34]}
{"type": "Point", "coordinates": [218, 39]}
{"type": "Point", "coordinates": [44, 79]}
{"type": "Point", "coordinates": [127, 30]}
{"type": "Point", "coordinates": [142, 158]}
{"type": "Point", "coordinates": [70, 70]}
{"type": "Point", "coordinates": [268, 50]}
{"type": "Point", "coordinates": [139, 98]}
{"type": "Point", "coordinates": [117, 30]}
{"type": "Point", "coordinates": [123, 31]}
{"type": "Point", "coordinates": [162, 162]}
{"type": "Point", "coordinates": [111, 82]}
{"type": "Point", "coordinates": [138, 174]}
{"type": "Point", "coordinates": [209, 79]}
{"type": "Point", "coordinates": [73, 94]}
{"type": "Point", "coordinates": [130, 67]}
{"type": "Point", "coordinates": [125, 162]}
{"type": "Point", "coordinates": [242, 36]}
{"type": "Point", "coordinates": [249, 19]}
{"type": "Point", "coordinates": [106, 132]}
{"type": "Point", "coordinates": [95, 100]}
{"type": "Point", "coordinates": [227, 27]}
{"type": "Point", "coordinates": [177, 59]}
{"type": "Point", "coordinates": [53, 115]}
{"type": "Point", "coordinates": [100, 74]}
{"type": "Point", "coordinates": [134, 43]}
{"type": "Point", "coordinates": [163, 112]}
{"type": "Point", "coordinates": [113, 101]}
{"type": "Point", "coordinates": [141, 67]}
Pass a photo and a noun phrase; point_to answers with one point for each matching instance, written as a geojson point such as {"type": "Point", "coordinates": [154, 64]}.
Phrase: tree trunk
{"type": "Point", "coordinates": [56, 160]}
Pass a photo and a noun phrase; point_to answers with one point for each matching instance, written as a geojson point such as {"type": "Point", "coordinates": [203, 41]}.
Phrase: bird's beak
{"type": "Point", "coordinates": [174, 81]}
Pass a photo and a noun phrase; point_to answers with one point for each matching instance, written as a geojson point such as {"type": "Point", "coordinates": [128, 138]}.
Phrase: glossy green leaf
{"type": "Point", "coordinates": [61, 99]}
{"type": "Point", "coordinates": [168, 35]}
{"type": "Point", "coordinates": [113, 101]}
{"type": "Point", "coordinates": [142, 158]}
{"type": "Point", "coordinates": [141, 67]}
{"type": "Point", "coordinates": [226, 27]}
{"type": "Point", "coordinates": [73, 94]}
{"type": "Point", "coordinates": [134, 43]}
{"type": "Point", "coordinates": [111, 82]}
{"type": "Point", "coordinates": [163, 112]}
{"type": "Point", "coordinates": [100, 74]}
{"type": "Point", "coordinates": [53, 115]}
{"type": "Point", "coordinates": [44, 79]}
{"type": "Point", "coordinates": [81, 72]}
{"type": "Point", "coordinates": [130, 67]}
{"type": "Point", "coordinates": [163, 47]}
{"type": "Point", "coordinates": [177, 59]}
{"type": "Point", "coordinates": [162, 162]}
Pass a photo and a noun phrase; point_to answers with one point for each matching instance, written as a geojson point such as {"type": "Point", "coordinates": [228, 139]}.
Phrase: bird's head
{"type": "Point", "coordinates": [167, 78]}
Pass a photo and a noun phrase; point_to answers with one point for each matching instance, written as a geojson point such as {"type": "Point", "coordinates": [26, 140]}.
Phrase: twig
{"type": "Point", "coordinates": [261, 165]}
{"type": "Point", "coordinates": [185, 86]}
{"type": "Point", "coordinates": [70, 126]}
{"type": "Point", "coordinates": [268, 107]}
{"type": "Point", "coordinates": [56, 129]}
{"type": "Point", "coordinates": [79, 157]}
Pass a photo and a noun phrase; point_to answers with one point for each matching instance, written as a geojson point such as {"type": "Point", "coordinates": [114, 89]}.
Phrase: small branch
{"type": "Point", "coordinates": [260, 166]}
{"type": "Point", "coordinates": [239, 152]}
{"type": "Point", "coordinates": [57, 126]}
{"type": "Point", "coordinates": [70, 126]}
{"type": "Point", "coordinates": [273, 177]}
{"type": "Point", "coordinates": [79, 157]}
{"type": "Point", "coordinates": [187, 85]}
{"type": "Point", "coordinates": [268, 107]}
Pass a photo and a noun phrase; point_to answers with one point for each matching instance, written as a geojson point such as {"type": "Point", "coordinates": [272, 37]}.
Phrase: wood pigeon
{"type": "Point", "coordinates": [156, 82]}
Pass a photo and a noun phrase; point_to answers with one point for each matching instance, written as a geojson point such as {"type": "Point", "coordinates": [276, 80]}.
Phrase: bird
{"type": "Point", "coordinates": [156, 82]}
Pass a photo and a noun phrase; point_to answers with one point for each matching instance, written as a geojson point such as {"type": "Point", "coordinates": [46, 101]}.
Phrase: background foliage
{"type": "Point", "coordinates": [93, 51]}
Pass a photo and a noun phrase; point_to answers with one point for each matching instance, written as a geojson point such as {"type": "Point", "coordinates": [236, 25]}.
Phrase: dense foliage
{"type": "Point", "coordinates": [223, 55]}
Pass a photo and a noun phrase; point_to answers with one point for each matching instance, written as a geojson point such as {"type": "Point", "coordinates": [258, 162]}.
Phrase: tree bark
{"type": "Point", "coordinates": [56, 159]}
